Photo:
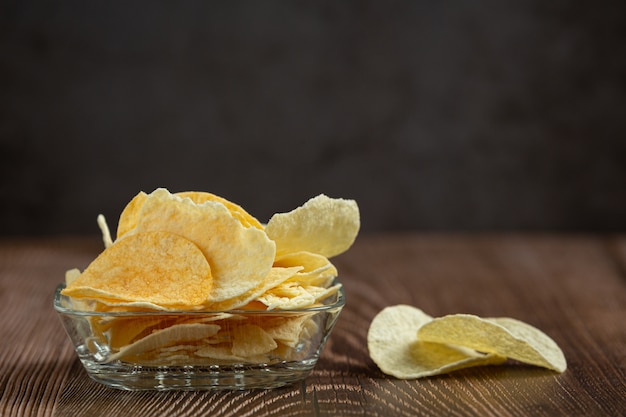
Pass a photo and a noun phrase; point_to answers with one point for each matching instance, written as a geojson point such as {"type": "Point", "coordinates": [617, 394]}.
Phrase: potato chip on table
{"type": "Point", "coordinates": [394, 346]}
{"type": "Point", "coordinates": [407, 343]}
{"type": "Point", "coordinates": [504, 336]}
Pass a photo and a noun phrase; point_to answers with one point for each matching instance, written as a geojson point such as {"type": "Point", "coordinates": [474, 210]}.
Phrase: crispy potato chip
{"type": "Point", "coordinates": [316, 269]}
{"type": "Point", "coordinates": [104, 228]}
{"type": "Point", "coordinates": [309, 261]}
{"type": "Point", "coordinates": [200, 197]}
{"type": "Point", "coordinates": [130, 214]}
{"type": "Point", "coordinates": [176, 334]}
{"type": "Point", "coordinates": [291, 296]}
{"type": "Point", "coordinates": [220, 352]}
{"type": "Point", "coordinates": [125, 330]}
{"type": "Point", "coordinates": [287, 297]}
{"type": "Point", "coordinates": [109, 305]}
{"type": "Point", "coordinates": [239, 257]}
{"type": "Point", "coordinates": [251, 340]}
{"type": "Point", "coordinates": [128, 218]}
{"type": "Point", "coordinates": [323, 225]}
{"type": "Point", "coordinates": [71, 275]}
{"type": "Point", "coordinates": [501, 336]}
{"type": "Point", "coordinates": [393, 345]}
{"type": "Point", "coordinates": [287, 330]}
{"type": "Point", "coordinates": [275, 277]}
{"type": "Point", "coordinates": [153, 267]}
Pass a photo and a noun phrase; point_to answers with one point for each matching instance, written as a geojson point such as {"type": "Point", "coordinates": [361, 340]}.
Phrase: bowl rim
{"type": "Point", "coordinates": [339, 300]}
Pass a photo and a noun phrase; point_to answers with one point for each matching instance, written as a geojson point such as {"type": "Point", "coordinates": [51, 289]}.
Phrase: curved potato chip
{"type": "Point", "coordinates": [240, 257]}
{"type": "Point", "coordinates": [128, 218]}
{"type": "Point", "coordinates": [104, 228]}
{"type": "Point", "coordinates": [130, 214]}
{"type": "Point", "coordinates": [250, 340]}
{"type": "Point", "coordinates": [502, 336]}
{"type": "Point", "coordinates": [154, 267]}
{"type": "Point", "coordinates": [71, 275]}
{"type": "Point", "coordinates": [393, 345]}
{"type": "Point", "coordinates": [323, 225]}
{"type": "Point", "coordinates": [201, 197]}
{"type": "Point", "coordinates": [287, 329]}
{"type": "Point", "coordinates": [316, 269]}
{"type": "Point", "coordinates": [176, 334]}
{"type": "Point", "coordinates": [124, 330]}
{"type": "Point", "coordinates": [275, 277]}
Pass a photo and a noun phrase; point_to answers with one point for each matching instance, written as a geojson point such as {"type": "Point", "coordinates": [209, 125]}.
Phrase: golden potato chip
{"type": "Point", "coordinates": [153, 267]}
{"type": "Point", "coordinates": [309, 261]}
{"type": "Point", "coordinates": [251, 340]}
{"type": "Point", "coordinates": [109, 305]}
{"type": "Point", "coordinates": [316, 269]}
{"type": "Point", "coordinates": [323, 225]}
{"type": "Point", "coordinates": [128, 218]}
{"type": "Point", "coordinates": [287, 330]}
{"type": "Point", "coordinates": [104, 228]}
{"type": "Point", "coordinates": [275, 277]}
{"type": "Point", "coordinates": [176, 334]}
{"type": "Point", "coordinates": [501, 336]}
{"type": "Point", "coordinates": [220, 352]}
{"type": "Point", "coordinates": [201, 197]}
{"type": "Point", "coordinates": [291, 295]}
{"type": "Point", "coordinates": [130, 214]}
{"type": "Point", "coordinates": [71, 275]}
{"type": "Point", "coordinates": [287, 297]}
{"type": "Point", "coordinates": [239, 257]}
{"type": "Point", "coordinates": [125, 330]}
{"type": "Point", "coordinates": [393, 345]}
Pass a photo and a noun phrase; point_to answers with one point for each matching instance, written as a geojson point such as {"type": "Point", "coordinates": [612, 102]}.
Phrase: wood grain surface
{"type": "Point", "coordinates": [571, 287]}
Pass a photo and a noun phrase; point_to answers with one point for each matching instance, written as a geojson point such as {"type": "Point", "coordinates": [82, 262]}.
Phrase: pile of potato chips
{"type": "Point", "coordinates": [200, 253]}
{"type": "Point", "coordinates": [407, 343]}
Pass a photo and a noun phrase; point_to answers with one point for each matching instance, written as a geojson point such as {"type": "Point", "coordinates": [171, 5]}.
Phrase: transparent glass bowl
{"type": "Point", "coordinates": [192, 350]}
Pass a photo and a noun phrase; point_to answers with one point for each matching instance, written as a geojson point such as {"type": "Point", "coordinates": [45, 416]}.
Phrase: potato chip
{"type": "Point", "coordinates": [154, 267]}
{"type": "Point", "coordinates": [501, 336]}
{"type": "Point", "coordinates": [176, 334]}
{"type": "Point", "coordinates": [309, 261]}
{"type": "Point", "coordinates": [130, 214]}
{"type": "Point", "coordinates": [290, 295]}
{"type": "Point", "coordinates": [316, 269]}
{"type": "Point", "coordinates": [323, 225]}
{"type": "Point", "coordinates": [201, 197]}
{"type": "Point", "coordinates": [287, 330]}
{"type": "Point", "coordinates": [71, 275]}
{"type": "Point", "coordinates": [251, 340]}
{"type": "Point", "coordinates": [275, 277]}
{"type": "Point", "coordinates": [104, 228]}
{"type": "Point", "coordinates": [287, 296]}
{"type": "Point", "coordinates": [220, 352]}
{"type": "Point", "coordinates": [125, 330]}
{"type": "Point", "coordinates": [128, 218]}
{"type": "Point", "coordinates": [239, 257]}
{"type": "Point", "coordinates": [110, 305]}
{"type": "Point", "coordinates": [393, 345]}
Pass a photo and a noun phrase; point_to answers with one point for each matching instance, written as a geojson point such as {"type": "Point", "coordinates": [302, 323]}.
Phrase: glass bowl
{"type": "Point", "coordinates": [198, 350]}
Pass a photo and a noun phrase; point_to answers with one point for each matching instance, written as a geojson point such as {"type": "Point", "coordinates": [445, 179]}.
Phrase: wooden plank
{"type": "Point", "coordinates": [564, 286]}
{"type": "Point", "coordinates": [572, 287]}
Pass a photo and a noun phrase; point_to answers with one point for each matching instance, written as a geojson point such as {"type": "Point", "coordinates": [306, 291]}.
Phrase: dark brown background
{"type": "Point", "coordinates": [433, 115]}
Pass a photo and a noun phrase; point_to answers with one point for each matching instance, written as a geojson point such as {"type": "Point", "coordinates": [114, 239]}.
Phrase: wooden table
{"type": "Point", "coordinates": [571, 287]}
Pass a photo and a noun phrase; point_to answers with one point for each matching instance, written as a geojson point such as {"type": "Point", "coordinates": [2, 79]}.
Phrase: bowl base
{"type": "Point", "coordinates": [199, 378]}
